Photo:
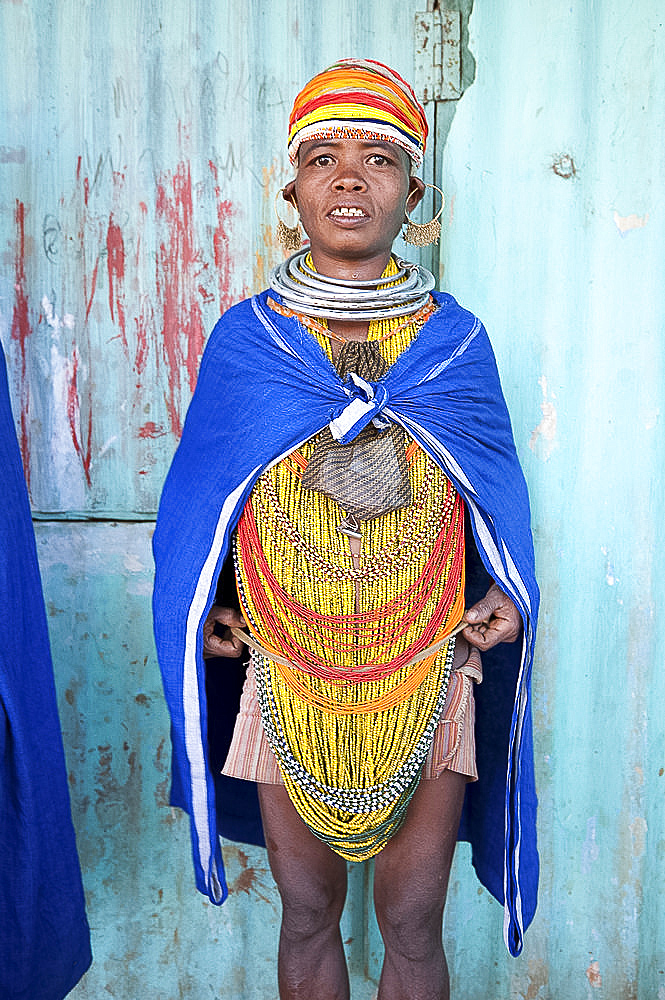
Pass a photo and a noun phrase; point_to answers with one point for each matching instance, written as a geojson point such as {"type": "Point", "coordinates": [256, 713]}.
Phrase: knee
{"type": "Point", "coordinates": [410, 921]}
{"type": "Point", "coordinates": [311, 908]}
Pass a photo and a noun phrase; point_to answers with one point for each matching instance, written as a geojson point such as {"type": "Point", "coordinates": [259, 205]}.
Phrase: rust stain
{"type": "Point", "coordinates": [162, 788]}
{"type": "Point", "coordinates": [563, 165]}
{"type": "Point", "coordinates": [272, 253]}
{"type": "Point", "coordinates": [161, 761]}
{"type": "Point", "coordinates": [250, 880]}
{"type": "Point", "coordinates": [594, 976]}
{"type": "Point", "coordinates": [538, 977]}
{"type": "Point", "coordinates": [116, 801]}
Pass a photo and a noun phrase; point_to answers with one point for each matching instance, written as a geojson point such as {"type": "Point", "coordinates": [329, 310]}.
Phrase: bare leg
{"type": "Point", "coordinates": [410, 884]}
{"type": "Point", "coordinates": [312, 884]}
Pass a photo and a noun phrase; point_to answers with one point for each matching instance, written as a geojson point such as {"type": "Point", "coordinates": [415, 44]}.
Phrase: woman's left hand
{"type": "Point", "coordinates": [492, 620]}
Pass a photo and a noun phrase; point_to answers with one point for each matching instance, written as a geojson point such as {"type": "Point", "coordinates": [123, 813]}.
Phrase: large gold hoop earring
{"type": "Point", "coordinates": [289, 237]}
{"type": "Point", "coordinates": [421, 234]}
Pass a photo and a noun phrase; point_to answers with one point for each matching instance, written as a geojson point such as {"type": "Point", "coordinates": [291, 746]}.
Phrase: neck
{"type": "Point", "coordinates": [349, 269]}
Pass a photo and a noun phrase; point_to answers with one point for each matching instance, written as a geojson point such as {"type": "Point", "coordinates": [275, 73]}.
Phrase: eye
{"type": "Point", "coordinates": [379, 159]}
{"type": "Point", "coordinates": [322, 160]}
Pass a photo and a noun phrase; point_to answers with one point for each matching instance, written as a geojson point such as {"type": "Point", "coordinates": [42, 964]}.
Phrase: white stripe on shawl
{"type": "Point", "coordinates": [190, 694]}
{"type": "Point", "coordinates": [436, 370]}
{"type": "Point", "coordinates": [432, 446]}
{"type": "Point", "coordinates": [196, 754]}
{"type": "Point", "coordinates": [272, 329]}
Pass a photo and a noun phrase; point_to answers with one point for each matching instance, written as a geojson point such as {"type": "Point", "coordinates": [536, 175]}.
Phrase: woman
{"type": "Point", "coordinates": [344, 424]}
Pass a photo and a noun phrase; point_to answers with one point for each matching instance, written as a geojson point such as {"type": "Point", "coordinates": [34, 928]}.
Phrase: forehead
{"type": "Point", "coordinates": [358, 146]}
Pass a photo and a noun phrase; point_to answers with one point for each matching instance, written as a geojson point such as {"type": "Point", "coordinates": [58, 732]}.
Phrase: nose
{"type": "Point", "coordinates": [349, 177]}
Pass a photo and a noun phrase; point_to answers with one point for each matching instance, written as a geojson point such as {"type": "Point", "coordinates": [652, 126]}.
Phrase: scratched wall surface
{"type": "Point", "coordinates": [140, 151]}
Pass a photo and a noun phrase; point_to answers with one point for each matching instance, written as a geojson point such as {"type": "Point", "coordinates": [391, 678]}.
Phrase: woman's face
{"type": "Point", "coordinates": [351, 195]}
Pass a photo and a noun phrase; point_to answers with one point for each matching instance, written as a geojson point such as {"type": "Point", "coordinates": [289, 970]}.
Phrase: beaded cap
{"type": "Point", "coordinates": [359, 99]}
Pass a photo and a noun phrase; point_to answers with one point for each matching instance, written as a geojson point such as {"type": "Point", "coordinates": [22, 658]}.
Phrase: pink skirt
{"type": "Point", "coordinates": [453, 747]}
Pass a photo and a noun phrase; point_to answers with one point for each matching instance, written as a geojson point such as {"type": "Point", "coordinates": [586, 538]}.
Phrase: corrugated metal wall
{"type": "Point", "coordinates": [555, 167]}
{"type": "Point", "coordinates": [140, 153]}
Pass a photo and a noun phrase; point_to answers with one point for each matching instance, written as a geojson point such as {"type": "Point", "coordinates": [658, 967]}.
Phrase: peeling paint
{"type": "Point", "coordinates": [545, 432]}
{"type": "Point", "coordinates": [590, 849]}
{"type": "Point", "coordinates": [638, 830]}
{"type": "Point", "coordinates": [611, 578]}
{"type": "Point", "coordinates": [625, 223]}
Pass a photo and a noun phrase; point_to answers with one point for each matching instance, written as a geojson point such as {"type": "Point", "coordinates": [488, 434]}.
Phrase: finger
{"type": "Point", "coordinates": [483, 610]}
{"type": "Point", "coordinates": [482, 639]}
{"type": "Point", "coordinates": [225, 616]}
{"type": "Point", "coordinates": [485, 636]}
{"type": "Point", "coordinates": [229, 646]}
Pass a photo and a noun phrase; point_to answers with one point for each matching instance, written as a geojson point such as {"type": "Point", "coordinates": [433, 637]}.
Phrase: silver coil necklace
{"type": "Point", "coordinates": [303, 290]}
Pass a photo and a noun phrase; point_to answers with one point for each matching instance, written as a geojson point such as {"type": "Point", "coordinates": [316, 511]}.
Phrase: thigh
{"type": "Point", "coordinates": [307, 872]}
{"type": "Point", "coordinates": [411, 872]}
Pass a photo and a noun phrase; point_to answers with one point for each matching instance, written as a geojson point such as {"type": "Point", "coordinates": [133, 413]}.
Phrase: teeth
{"type": "Point", "coordinates": [356, 212]}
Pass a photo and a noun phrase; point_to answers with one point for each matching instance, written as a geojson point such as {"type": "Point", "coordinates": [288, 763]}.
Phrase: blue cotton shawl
{"type": "Point", "coordinates": [265, 386]}
{"type": "Point", "coordinates": [44, 935]}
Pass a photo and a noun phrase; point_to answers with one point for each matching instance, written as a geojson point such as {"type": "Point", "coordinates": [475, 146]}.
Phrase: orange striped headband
{"type": "Point", "coordinates": [358, 99]}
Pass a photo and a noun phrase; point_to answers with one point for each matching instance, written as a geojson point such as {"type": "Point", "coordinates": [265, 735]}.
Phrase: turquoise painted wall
{"type": "Point", "coordinates": [140, 151]}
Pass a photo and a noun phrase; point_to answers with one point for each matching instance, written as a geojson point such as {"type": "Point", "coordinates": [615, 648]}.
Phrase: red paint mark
{"type": "Point", "coordinates": [151, 430]}
{"type": "Point", "coordinates": [221, 250]}
{"type": "Point", "coordinates": [143, 324]}
{"type": "Point", "coordinates": [93, 285]}
{"type": "Point", "coordinates": [115, 247]}
{"type": "Point", "coordinates": [144, 321]}
{"type": "Point", "coordinates": [179, 263]}
{"type": "Point", "coordinates": [21, 331]}
{"type": "Point", "coordinates": [84, 451]}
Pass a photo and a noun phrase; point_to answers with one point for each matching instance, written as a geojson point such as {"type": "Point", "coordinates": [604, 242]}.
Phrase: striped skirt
{"type": "Point", "coordinates": [453, 747]}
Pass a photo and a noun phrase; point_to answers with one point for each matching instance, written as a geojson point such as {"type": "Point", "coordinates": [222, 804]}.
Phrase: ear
{"type": "Point", "coordinates": [416, 191]}
{"type": "Point", "coordinates": [289, 193]}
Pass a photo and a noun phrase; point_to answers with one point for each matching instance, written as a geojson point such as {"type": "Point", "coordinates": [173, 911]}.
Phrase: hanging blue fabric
{"type": "Point", "coordinates": [44, 934]}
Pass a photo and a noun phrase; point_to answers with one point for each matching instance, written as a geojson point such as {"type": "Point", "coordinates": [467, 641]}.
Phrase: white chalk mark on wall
{"type": "Point", "coordinates": [625, 223]}
{"type": "Point", "coordinates": [545, 432]}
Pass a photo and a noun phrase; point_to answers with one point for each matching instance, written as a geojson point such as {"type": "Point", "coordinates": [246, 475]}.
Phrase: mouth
{"type": "Point", "coordinates": [347, 212]}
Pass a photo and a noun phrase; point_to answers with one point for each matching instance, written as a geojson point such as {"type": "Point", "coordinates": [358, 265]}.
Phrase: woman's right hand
{"type": "Point", "coordinates": [226, 645]}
